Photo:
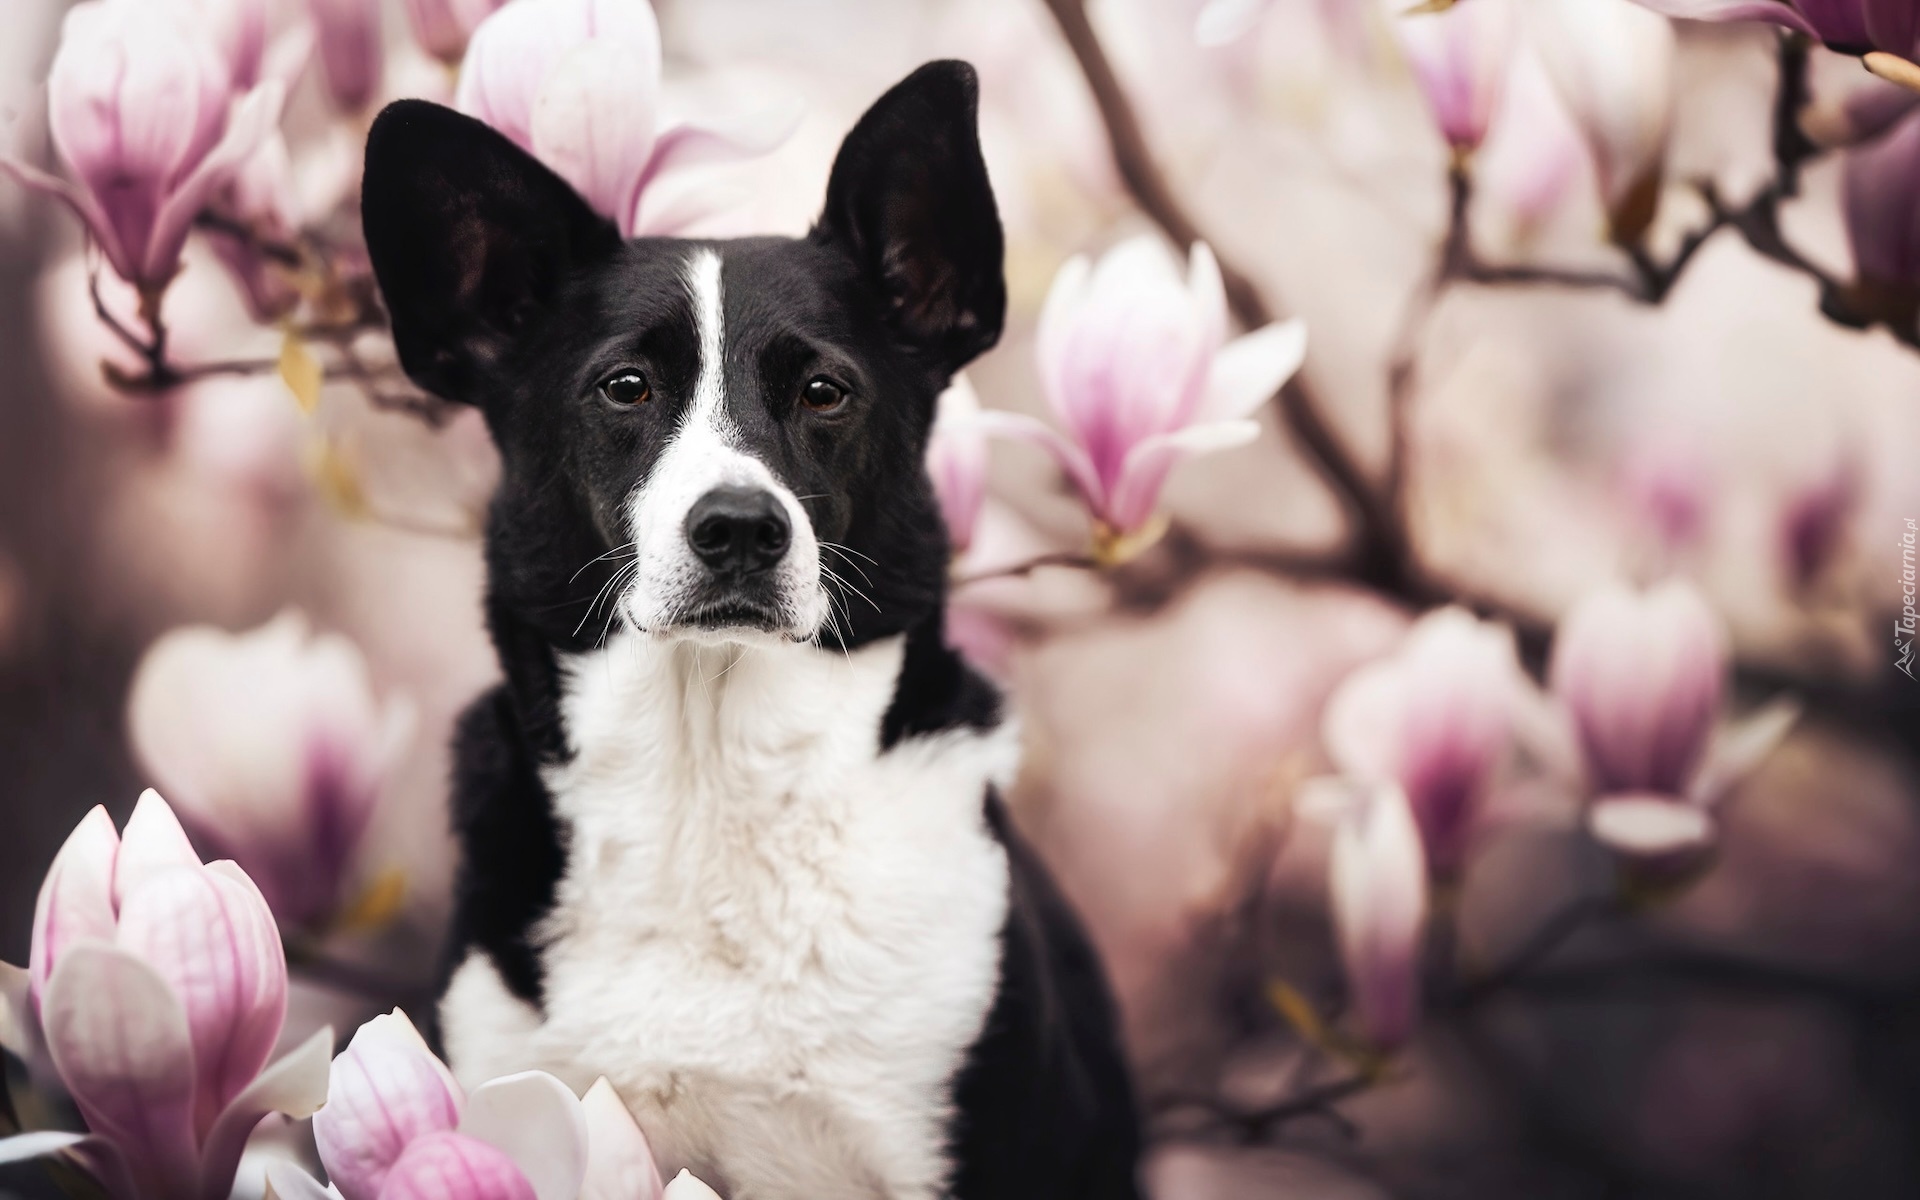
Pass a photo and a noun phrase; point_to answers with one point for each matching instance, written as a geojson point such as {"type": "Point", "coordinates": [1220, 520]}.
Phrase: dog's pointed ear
{"type": "Point", "coordinates": [468, 235]}
{"type": "Point", "coordinates": [909, 199]}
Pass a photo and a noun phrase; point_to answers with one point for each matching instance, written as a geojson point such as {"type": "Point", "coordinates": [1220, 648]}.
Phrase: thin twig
{"type": "Point", "coordinates": [1553, 933]}
{"type": "Point", "coordinates": [1081, 562]}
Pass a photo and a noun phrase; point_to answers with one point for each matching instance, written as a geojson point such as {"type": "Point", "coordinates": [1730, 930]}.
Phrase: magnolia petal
{"type": "Point", "coordinates": [620, 1164]}
{"type": "Point", "coordinates": [83, 205]}
{"type": "Point", "coordinates": [743, 135]}
{"type": "Point", "coordinates": [1250, 369]}
{"type": "Point", "coordinates": [1145, 470]}
{"type": "Point", "coordinates": [1377, 879]}
{"type": "Point", "coordinates": [535, 1120]}
{"type": "Point", "coordinates": [215, 943]}
{"type": "Point", "coordinates": [387, 1090]}
{"type": "Point", "coordinates": [22, 1147]}
{"type": "Point", "coordinates": [154, 843]}
{"type": "Point", "coordinates": [1650, 827]}
{"type": "Point", "coordinates": [76, 898]}
{"type": "Point", "coordinates": [1209, 291]}
{"type": "Point", "coordinates": [1363, 721]}
{"type": "Point", "coordinates": [448, 1166]}
{"type": "Point", "coordinates": [1072, 459]}
{"type": "Point", "coordinates": [1223, 22]}
{"type": "Point", "coordinates": [1739, 747]}
{"type": "Point", "coordinates": [119, 1040]}
{"type": "Point", "coordinates": [254, 118]}
{"type": "Point", "coordinates": [294, 1086]}
{"type": "Point", "coordinates": [593, 123]}
{"type": "Point", "coordinates": [1774, 11]}
{"type": "Point", "coordinates": [666, 210]}
{"type": "Point", "coordinates": [686, 1187]}
{"type": "Point", "coordinates": [1065, 297]}
{"type": "Point", "coordinates": [93, 1156]}
{"type": "Point", "coordinates": [288, 1182]}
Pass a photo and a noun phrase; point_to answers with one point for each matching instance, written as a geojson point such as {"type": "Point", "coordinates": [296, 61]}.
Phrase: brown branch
{"type": "Point", "coordinates": [1252, 1125]}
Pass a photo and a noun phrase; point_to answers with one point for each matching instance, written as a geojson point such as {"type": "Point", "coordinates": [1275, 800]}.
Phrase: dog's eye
{"type": "Point", "coordinates": [627, 388]}
{"type": "Point", "coordinates": [822, 394]}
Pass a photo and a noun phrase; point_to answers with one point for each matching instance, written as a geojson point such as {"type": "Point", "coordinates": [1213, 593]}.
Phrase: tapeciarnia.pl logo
{"type": "Point", "coordinates": [1904, 624]}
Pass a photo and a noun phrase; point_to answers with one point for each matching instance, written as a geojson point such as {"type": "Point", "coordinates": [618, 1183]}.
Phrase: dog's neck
{"type": "Point", "coordinates": [748, 719]}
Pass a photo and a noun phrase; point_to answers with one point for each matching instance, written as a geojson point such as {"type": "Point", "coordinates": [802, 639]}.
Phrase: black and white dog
{"type": "Point", "coordinates": [729, 827]}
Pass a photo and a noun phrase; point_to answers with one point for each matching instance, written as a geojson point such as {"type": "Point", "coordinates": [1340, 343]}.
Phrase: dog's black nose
{"type": "Point", "coordinates": [738, 531]}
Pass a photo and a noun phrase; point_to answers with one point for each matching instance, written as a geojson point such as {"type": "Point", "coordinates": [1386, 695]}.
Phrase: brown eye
{"type": "Point", "coordinates": [627, 388]}
{"type": "Point", "coordinates": [822, 394]}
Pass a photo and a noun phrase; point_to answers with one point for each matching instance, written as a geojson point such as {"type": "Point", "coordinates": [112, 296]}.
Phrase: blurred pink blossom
{"type": "Point", "coordinates": [1850, 26]}
{"type": "Point", "coordinates": [351, 55]}
{"type": "Point", "coordinates": [1377, 877]}
{"type": "Point", "coordinates": [141, 111]}
{"type": "Point", "coordinates": [1535, 156]}
{"type": "Point", "coordinates": [1882, 206]}
{"type": "Point", "coordinates": [238, 29]}
{"type": "Point", "coordinates": [1435, 720]}
{"type": "Point", "coordinates": [1642, 676]}
{"type": "Point", "coordinates": [260, 200]}
{"type": "Point", "coordinates": [1813, 522]}
{"type": "Point", "coordinates": [1135, 363]}
{"type": "Point", "coordinates": [577, 84]}
{"type": "Point", "coordinates": [443, 27]}
{"type": "Point", "coordinates": [396, 1126]}
{"type": "Point", "coordinates": [1613, 66]}
{"type": "Point", "coordinates": [957, 462]}
{"type": "Point", "coordinates": [1460, 57]}
{"type": "Point", "coordinates": [1668, 486]}
{"type": "Point", "coordinates": [274, 746]}
{"type": "Point", "coordinates": [158, 987]}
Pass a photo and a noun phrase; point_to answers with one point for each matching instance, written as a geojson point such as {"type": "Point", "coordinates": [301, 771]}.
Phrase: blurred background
{"type": "Point", "coordinates": [1529, 390]}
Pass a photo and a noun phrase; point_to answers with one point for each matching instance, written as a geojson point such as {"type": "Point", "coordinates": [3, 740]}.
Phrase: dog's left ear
{"type": "Point", "coordinates": [469, 235]}
{"type": "Point", "coordinates": [909, 199]}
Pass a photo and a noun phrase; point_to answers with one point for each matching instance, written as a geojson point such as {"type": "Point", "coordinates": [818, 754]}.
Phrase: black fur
{"type": "Point", "coordinates": [508, 293]}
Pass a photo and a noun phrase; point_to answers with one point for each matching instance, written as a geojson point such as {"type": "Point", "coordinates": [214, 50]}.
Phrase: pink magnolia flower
{"type": "Point", "coordinates": [1613, 66]}
{"type": "Point", "coordinates": [443, 27]}
{"type": "Point", "coordinates": [274, 746]}
{"type": "Point", "coordinates": [1135, 363]}
{"type": "Point", "coordinates": [1377, 878]}
{"type": "Point", "coordinates": [576, 83]}
{"type": "Point", "coordinates": [158, 988]}
{"type": "Point", "coordinates": [1882, 205]}
{"type": "Point", "coordinates": [1850, 26]}
{"type": "Point", "coordinates": [350, 50]}
{"type": "Point", "coordinates": [1434, 720]}
{"type": "Point", "coordinates": [1642, 676]}
{"type": "Point", "coordinates": [140, 108]}
{"type": "Point", "coordinates": [1460, 59]}
{"type": "Point", "coordinates": [957, 462]}
{"type": "Point", "coordinates": [396, 1126]}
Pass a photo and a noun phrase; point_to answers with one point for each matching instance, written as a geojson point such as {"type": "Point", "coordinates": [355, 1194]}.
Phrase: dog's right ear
{"type": "Point", "coordinates": [468, 235]}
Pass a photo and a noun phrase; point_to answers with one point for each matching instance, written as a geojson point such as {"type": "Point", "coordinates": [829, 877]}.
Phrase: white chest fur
{"type": "Point", "coordinates": [777, 942]}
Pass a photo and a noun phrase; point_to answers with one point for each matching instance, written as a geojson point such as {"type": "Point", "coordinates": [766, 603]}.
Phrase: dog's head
{"type": "Point", "coordinates": [718, 440]}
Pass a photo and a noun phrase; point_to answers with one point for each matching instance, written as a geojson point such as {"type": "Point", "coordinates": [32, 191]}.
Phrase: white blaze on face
{"type": "Point", "coordinates": [704, 454]}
